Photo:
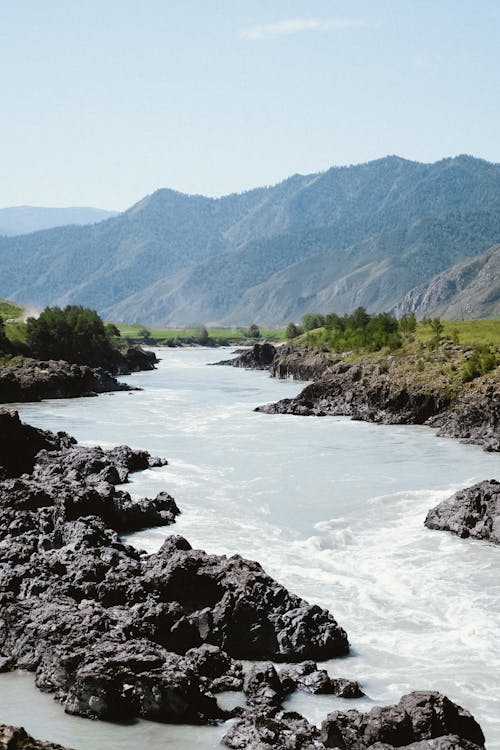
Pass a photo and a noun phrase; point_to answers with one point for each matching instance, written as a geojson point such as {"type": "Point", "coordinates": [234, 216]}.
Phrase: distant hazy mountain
{"type": "Point", "coordinates": [469, 289]}
{"type": "Point", "coordinates": [359, 235]}
{"type": "Point", "coordinates": [24, 219]}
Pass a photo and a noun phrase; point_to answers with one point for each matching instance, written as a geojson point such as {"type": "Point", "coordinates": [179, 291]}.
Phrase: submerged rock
{"type": "Point", "coordinates": [473, 512]}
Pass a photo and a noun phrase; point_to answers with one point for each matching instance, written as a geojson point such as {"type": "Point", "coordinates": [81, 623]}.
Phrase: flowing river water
{"type": "Point", "coordinates": [332, 508]}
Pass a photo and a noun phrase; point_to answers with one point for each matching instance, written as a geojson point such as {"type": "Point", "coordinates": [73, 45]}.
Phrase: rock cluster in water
{"type": "Point", "coordinates": [473, 512]}
{"type": "Point", "coordinates": [115, 633]}
{"type": "Point", "coordinates": [420, 721]}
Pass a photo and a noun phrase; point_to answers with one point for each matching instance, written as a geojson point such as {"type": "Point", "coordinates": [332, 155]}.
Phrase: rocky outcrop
{"type": "Point", "coordinates": [259, 357]}
{"type": "Point", "coordinates": [20, 443]}
{"type": "Point", "coordinates": [17, 738]}
{"type": "Point", "coordinates": [135, 359]}
{"type": "Point", "coordinates": [420, 721]}
{"type": "Point", "coordinates": [115, 633]}
{"type": "Point", "coordinates": [473, 512]}
{"type": "Point", "coordinates": [419, 717]}
{"type": "Point", "coordinates": [33, 380]}
{"type": "Point", "coordinates": [364, 392]}
{"type": "Point", "coordinates": [475, 417]}
{"type": "Point", "coordinates": [399, 390]}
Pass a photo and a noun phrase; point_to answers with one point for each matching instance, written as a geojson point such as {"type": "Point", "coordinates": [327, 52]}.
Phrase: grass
{"type": "Point", "coordinates": [10, 310]}
{"type": "Point", "coordinates": [468, 331]}
{"type": "Point", "coordinates": [233, 334]}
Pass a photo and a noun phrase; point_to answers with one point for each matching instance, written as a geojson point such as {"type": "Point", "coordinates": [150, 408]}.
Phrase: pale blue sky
{"type": "Point", "coordinates": [104, 101]}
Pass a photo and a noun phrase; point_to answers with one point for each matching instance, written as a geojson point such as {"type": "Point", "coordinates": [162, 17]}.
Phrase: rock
{"type": "Point", "coordinates": [33, 380]}
{"type": "Point", "coordinates": [418, 717]}
{"type": "Point", "coordinates": [280, 730]}
{"type": "Point", "coordinates": [17, 738]}
{"type": "Point", "coordinates": [308, 677]}
{"type": "Point", "coordinates": [473, 512]}
{"type": "Point", "coordinates": [136, 359]}
{"type": "Point", "coordinates": [262, 686]}
{"type": "Point", "coordinates": [475, 418]}
{"type": "Point", "coordinates": [115, 633]}
{"type": "Point", "coordinates": [391, 390]}
{"type": "Point", "coordinates": [259, 357]}
{"type": "Point", "coordinates": [19, 444]}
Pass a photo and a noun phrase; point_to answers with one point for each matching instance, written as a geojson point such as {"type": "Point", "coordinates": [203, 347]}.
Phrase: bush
{"type": "Point", "coordinates": [481, 362]}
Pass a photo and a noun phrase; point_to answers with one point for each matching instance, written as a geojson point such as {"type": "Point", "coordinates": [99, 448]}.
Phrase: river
{"type": "Point", "coordinates": [332, 508]}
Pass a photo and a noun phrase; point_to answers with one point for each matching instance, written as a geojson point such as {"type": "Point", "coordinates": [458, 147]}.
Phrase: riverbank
{"type": "Point", "coordinates": [28, 379]}
{"type": "Point", "coordinates": [419, 385]}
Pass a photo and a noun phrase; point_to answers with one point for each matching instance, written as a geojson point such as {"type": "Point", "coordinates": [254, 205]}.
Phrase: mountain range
{"type": "Point", "coordinates": [25, 219]}
{"type": "Point", "coordinates": [368, 234]}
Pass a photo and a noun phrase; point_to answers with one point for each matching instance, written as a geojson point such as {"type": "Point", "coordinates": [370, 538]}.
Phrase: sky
{"type": "Point", "coordinates": [105, 101]}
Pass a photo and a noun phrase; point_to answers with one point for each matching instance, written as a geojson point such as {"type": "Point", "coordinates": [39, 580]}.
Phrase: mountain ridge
{"type": "Point", "coordinates": [364, 234]}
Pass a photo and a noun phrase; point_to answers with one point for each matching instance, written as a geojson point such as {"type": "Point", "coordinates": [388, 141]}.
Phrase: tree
{"type": "Point", "coordinates": [75, 334]}
{"type": "Point", "coordinates": [436, 327]}
{"type": "Point", "coordinates": [310, 321]}
{"type": "Point", "coordinates": [144, 334]}
{"type": "Point", "coordinates": [408, 324]}
{"type": "Point", "coordinates": [203, 335]}
{"type": "Point", "coordinates": [292, 331]}
{"type": "Point", "coordinates": [4, 342]}
{"type": "Point", "coordinates": [254, 331]}
{"type": "Point", "coordinates": [112, 331]}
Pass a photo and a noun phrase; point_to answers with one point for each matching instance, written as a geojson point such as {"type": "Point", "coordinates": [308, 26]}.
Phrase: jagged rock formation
{"type": "Point", "coordinates": [115, 633]}
{"type": "Point", "coordinates": [26, 379]}
{"type": "Point", "coordinates": [259, 357]}
{"type": "Point", "coordinates": [17, 738]}
{"type": "Point", "coordinates": [469, 289]}
{"type": "Point", "coordinates": [473, 512]}
{"type": "Point", "coordinates": [396, 390]}
{"type": "Point", "coordinates": [32, 380]}
{"type": "Point", "coordinates": [419, 717]}
{"type": "Point", "coordinates": [420, 721]}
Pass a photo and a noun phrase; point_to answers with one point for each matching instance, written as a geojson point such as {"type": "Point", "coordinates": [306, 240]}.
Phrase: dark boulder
{"type": "Point", "coordinates": [259, 357]}
{"type": "Point", "coordinates": [418, 717]}
{"type": "Point", "coordinates": [473, 512]}
{"type": "Point", "coordinates": [17, 738]}
{"type": "Point", "coordinates": [271, 728]}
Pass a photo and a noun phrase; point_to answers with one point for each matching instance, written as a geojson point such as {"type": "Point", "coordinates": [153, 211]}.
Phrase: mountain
{"type": "Point", "coordinates": [360, 235]}
{"type": "Point", "coordinates": [25, 219]}
{"type": "Point", "coordinates": [469, 289]}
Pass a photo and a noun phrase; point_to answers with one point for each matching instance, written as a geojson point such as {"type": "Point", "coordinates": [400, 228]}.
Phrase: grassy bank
{"type": "Point", "coordinates": [218, 336]}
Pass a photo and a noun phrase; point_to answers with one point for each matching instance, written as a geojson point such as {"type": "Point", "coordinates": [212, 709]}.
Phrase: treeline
{"type": "Point", "coordinates": [355, 332]}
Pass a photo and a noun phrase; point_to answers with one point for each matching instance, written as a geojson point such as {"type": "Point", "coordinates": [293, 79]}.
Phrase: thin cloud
{"type": "Point", "coordinates": [298, 25]}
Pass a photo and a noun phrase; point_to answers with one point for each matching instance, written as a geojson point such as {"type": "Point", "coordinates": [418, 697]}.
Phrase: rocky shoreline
{"type": "Point", "coordinates": [387, 390]}
{"type": "Point", "coordinates": [27, 379]}
{"type": "Point", "coordinates": [114, 633]}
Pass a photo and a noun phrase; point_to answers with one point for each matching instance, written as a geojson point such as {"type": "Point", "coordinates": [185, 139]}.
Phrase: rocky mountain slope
{"type": "Point", "coordinates": [470, 289]}
{"type": "Point", "coordinates": [359, 235]}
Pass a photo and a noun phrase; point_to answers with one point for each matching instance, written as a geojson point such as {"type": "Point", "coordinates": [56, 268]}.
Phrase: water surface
{"type": "Point", "coordinates": [332, 508]}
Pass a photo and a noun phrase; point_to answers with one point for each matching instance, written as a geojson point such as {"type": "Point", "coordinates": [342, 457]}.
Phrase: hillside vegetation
{"type": "Point", "coordinates": [360, 235]}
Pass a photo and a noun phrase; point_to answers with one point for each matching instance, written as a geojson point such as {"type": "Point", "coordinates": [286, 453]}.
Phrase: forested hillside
{"type": "Point", "coordinates": [360, 235]}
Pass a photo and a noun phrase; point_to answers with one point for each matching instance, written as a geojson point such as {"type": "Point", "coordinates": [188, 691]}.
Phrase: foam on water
{"type": "Point", "coordinates": [332, 508]}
